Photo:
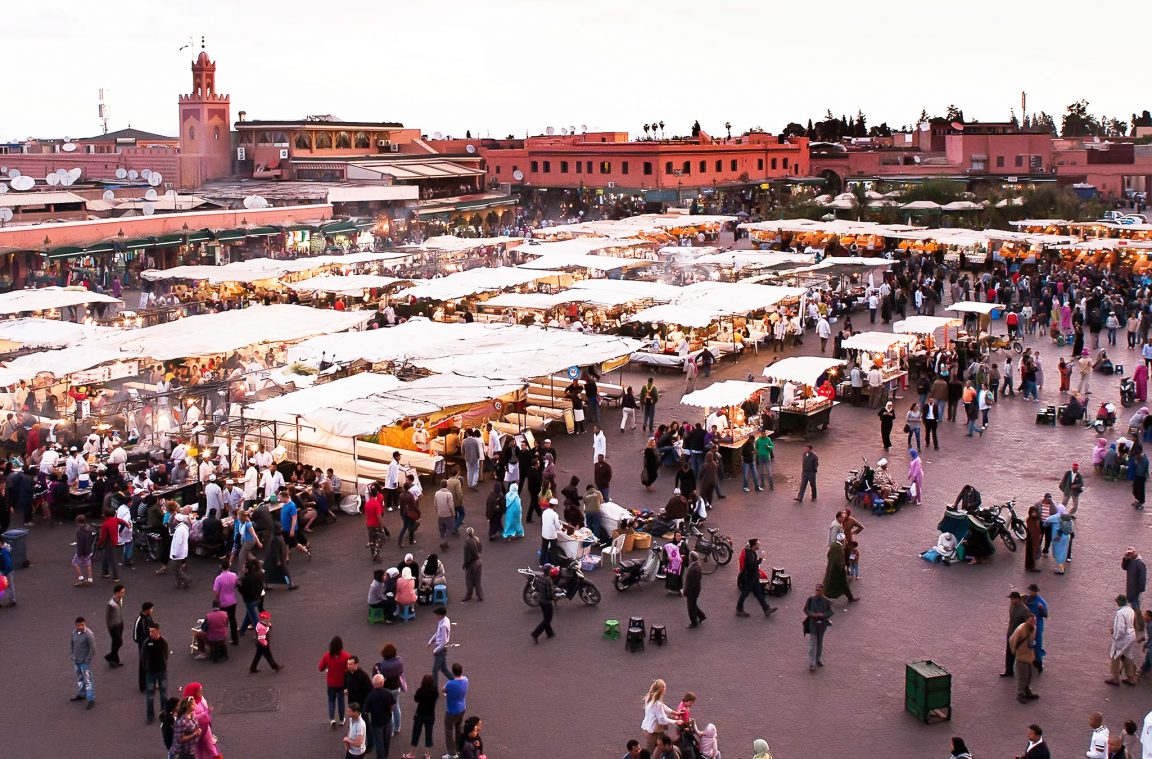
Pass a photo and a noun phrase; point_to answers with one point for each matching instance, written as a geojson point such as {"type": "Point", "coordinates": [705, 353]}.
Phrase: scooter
{"type": "Point", "coordinates": [148, 543]}
{"type": "Point", "coordinates": [1127, 392]}
{"type": "Point", "coordinates": [570, 584]}
{"type": "Point", "coordinates": [631, 573]}
{"type": "Point", "coordinates": [857, 481]}
{"type": "Point", "coordinates": [1008, 532]}
{"type": "Point", "coordinates": [1105, 418]}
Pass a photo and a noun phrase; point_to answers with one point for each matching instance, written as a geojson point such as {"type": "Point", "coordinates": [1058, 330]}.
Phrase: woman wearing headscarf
{"type": "Point", "coordinates": [513, 528]}
{"type": "Point", "coordinates": [836, 571]}
{"type": "Point", "coordinates": [760, 749]}
{"type": "Point", "coordinates": [1060, 527]}
{"type": "Point", "coordinates": [406, 588]}
{"type": "Point", "coordinates": [1033, 537]}
{"type": "Point", "coordinates": [1140, 378]}
{"type": "Point", "coordinates": [494, 510]}
{"type": "Point", "coordinates": [202, 713]}
{"type": "Point", "coordinates": [651, 465]}
{"type": "Point", "coordinates": [916, 474]}
{"type": "Point", "coordinates": [709, 477]}
{"type": "Point", "coordinates": [887, 417]}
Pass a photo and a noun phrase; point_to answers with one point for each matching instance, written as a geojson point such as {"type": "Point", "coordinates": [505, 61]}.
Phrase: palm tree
{"type": "Point", "coordinates": [661, 129]}
{"type": "Point", "coordinates": [646, 130]}
{"type": "Point", "coordinates": [728, 126]}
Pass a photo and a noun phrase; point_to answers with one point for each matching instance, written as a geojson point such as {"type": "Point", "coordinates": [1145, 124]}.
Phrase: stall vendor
{"type": "Point", "coordinates": [826, 390]}
{"type": "Point", "coordinates": [420, 436]}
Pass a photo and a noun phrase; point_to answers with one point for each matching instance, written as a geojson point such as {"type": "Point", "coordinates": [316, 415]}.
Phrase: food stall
{"type": "Point", "coordinates": [886, 351]}
{"type": "Point", "coordinates": [679, 333]}
{"type": "Point", "coordinates": [925, 327]}
{"type": "Point", "coordinates": [735, 407]}
{"type": "Point", "coordinates": [803, 406]}
{"type": "Point", "coordinates": [979, 314]}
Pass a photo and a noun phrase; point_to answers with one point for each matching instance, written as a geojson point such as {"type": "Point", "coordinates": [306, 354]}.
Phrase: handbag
{"type": "Point", "coordinates": [807, 625]}
{"type": "Point", "coordinates": [907, 429]}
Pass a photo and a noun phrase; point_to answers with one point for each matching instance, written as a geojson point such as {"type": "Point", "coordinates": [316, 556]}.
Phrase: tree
{"type": "Point", "coordinates": [880, 131]}
{"type": "Point", "coordinates": [646, 128]}
{"type": "Point", "coordinates": [923, 116]}
{"type": "Point", "coordinates": [1044, 121]}
{"type": "Point", "coordinates": [861, 124]}
{"type": "Point", "coordinates": [728, 126]}
{"type": "Point", "coordinates": [1143, 120]}
{"type": "Point", "coordinates": [794, 130]}
{"type": "Point", "coordinates": [811, 131]}
{"type": "Point", "coordinates": [661, 128]}
{"type": "Point", "coordinates": [954, 114]}
{"type": "Point", "coordinates": [1078, 122]}
{"type": "Point", "coordinates": [1114, 127]}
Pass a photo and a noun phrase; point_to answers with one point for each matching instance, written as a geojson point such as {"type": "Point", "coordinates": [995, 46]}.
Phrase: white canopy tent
{"type": "Point", "coordinates": [656, 292]}
{"type": "Point", "coordinates": [597, 263]}
{"type": "Point", "coordinates": [46, 333]}
{"type": "Point", "coordinates": [580, 246]}
{"type": "Point", "coordinates": [875, 342]}
{"type": "Point", "coordinates": [353, 284]}
{"type": "Point", "coordinates": [453, 244]}
{"type": "Point", "coordinates": [974, 307]}
{"type": "Point", "coordinates": [736, 297]}
{"type": "Point", "coordinates": [48, 298]}
{"type": "Point", "coordinates": [471, 282]}
{"type": "Point", "coordinates": [724, 393]}
{"type": "Point", "coordinates": [754, 258]}
{"type": "Point", "coordinates": [849, 261]}
{"type": "Point", "coordinates": [260, 269]}
{"type": "Point", "coordinates": [58, 363]}
{"type": "Point", "coordinates": [803, 370]}
{"type": "Point", "coordinates": [924, 325]}
{"type": "Point", "coordinates": [538, 301]}
{"type": "Point", "coordinates": [684, 316]}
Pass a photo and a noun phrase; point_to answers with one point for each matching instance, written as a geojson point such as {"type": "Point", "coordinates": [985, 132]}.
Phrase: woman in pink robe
{"type": "Point", "coordinates": [916, 473]}
{"type": "Point", "coordinates": [1140, 378]}
{"type": "Point", "coordinates": [202, 712]}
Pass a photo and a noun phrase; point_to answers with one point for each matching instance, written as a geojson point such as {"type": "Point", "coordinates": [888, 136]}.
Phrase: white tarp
{"type": "Point", "coordinates": [471, 282]}
{"type": "Point", "coordinates": [804, 370]}
{"type": "Point", "coordinates": [735, 297]}
{"type": "Point", "coordinates": [501, 351]}
{"type": "Point", "coordinates": [924, 325]}
{"type": "Point", "coordinates": [875, 342]}
{"type": "Point", "coordinates": [259, 269]}
{"type": "Point", "coordinates": [754, 258]}
{"type": "Point", "coordinates": [685, 316]}
{"type": "Point", "coordinates": [453, 244]}
{"type": "Point", "coordinates": [831, 261]}
{"type": "Point", "coordinates": [635, 226]}
{"type": "Point", "coordinates": [597, 263]}
{"type": "Point", "coordinates": [974, 307]}
{"type": "Point", "coordinates": [228, 331]}
{"type": "Point", "coordinates": [353, 284]}
{"type": "Point", "coordinates": [47, 333]}
{"type": "Point", "coordinates": [541, 301]}
{"type": "Point", "coordinates": [47, 298]}
{"type": "Point", "coordinates": [657, 292]}
{"type": "Point", "coordinates": [725, 393]}
{"type": "Point", "coordinates": [580, 246]}
{"type": "Point", "coordinates": [58, 363]}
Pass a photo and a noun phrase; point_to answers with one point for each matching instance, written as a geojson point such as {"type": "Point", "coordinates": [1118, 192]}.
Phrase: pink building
{"type": "Point", "coordinates": [205, 118]}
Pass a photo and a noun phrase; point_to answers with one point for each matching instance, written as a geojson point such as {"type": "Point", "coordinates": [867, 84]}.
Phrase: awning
{"type": "Point", "coordinates": [166, 240]}
{"type": "Point", "coordinates": [230, 235]}
{"type": "Point", "coordinates": [804, 370]}
{"type": "Point", "coordinates": [338, 227]}
{"type": "Point", "coordinates": [200, 235]}
{"type": "Point", "coordinates": [65, 251]}
{"type": "Point", "coordinates": [99, 248]}
{"type": "Point", "coordinates": [262, 232]}
{"type": "Point", "coordinates": [139, 243]}
{"type": "Point", "coordinates": [300, 228]}
{"type": "Point", "coordinates": [724, 393]}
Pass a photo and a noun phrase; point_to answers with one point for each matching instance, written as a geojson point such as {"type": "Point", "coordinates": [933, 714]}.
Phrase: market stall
{"type": "Point", "coordinates": [886, 351]}
{"type": "Point", "coordinates": [807, 396]}
{"type": "Point", "coordinates": [53, 301]}
{"type": "Point", "coordinates": [734, 408]}
{"type": "Point", "coordinates": [925, 328]}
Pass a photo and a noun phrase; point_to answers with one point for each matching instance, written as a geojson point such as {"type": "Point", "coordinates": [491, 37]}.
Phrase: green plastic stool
{"type": "Point", "coordinates": [612, 629]}
{"type": "Point", "coordinates": [375, 616]}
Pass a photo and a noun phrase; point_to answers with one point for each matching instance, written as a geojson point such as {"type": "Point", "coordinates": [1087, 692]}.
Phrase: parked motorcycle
{"type": "Point", "coordinates": [862, 480]}
{"type": "Point", "coordinates": [632, 572]}
{"type": "Point", "coordinates": [1127, 392]}
{"type": "Point", "coordinates": [570, 584]}
{"type": "Point", "coordinates": [857, 481]}
{"type": "Point", "coordinates": [715, 550]}
{"type": "Point", "coordinates": [1105, 418]}
{"type": "Point", "coordinates": [1008, 532]}
{"type": "Point", "coordinates": [146, 542]}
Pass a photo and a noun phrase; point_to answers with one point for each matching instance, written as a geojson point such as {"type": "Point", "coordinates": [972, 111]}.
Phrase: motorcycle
{"type": "Point", "coordinates": [1105, 418]}
{"type": "Point", "coordinates": [857, 481]}
{"type": "Point", "coordinates": [1008, 532]}
{"type": "Point", "coordinates": [990, 343]}
{"type": "Point", "coordinates": [712, 546]}
{"type": "Point", "coordinates": [862, 481]}
{"type": "Point", "coordinates": [630, 573]}
{"type": "Point", "coordinates": [1127, 392]}
{"type": "Point", "coordinates": [147, 542]}
{"type": "Point", "coordinates": [570, 584]}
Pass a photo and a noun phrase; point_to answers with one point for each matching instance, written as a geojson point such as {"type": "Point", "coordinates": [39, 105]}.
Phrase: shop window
{"type": "Point", "coordinates": [703, 166]}
{"type": "Point", "coordinates": [624, 167]}
{"type": "Point", "coordinates": [579, 167]}
{"type": "Point", "coordinates": [279, 138]}
{"type": "Point", "coordinates": [687, 168]}
{"type": "Point", "coordinates": [262, 138]}
{"type": "Point", "coordinates": [323, 140]}
{"type": "Point", "coordinates": [719, 166]}
{"type": "Point", "coordinates": [587, 167]}
{"type": "Point", "coordinates": [605, 167]}
{"type": "Point", "coordinates": [547, 167]}
{"type": "Point", "coordinates": [343, 141]}
{"type": "Point", "coordinates": [497, 169]}
{"type": "Point", "coordinates": [302, 141]}
{"type": "Point", "coordinates": [563, 167]}
{"type": "Point", "coordinates": [785, 163]}
{"type": "Point", "coordinates": [1000, 161]}
{"type": "Point", "coordinates": [535, 166]}
{"type": "Point", "coordinates": [760, 164]}
{"type": "Point", "coordinates": [362, 140]}
{"type": "Point", "coordinates": [733, 164]}
{"type": "Point", "coordinates": [648, 168]}
{"type": "Point", "coordinates": [668, 167]}
{"type": "Point", "coordinates": [1019, 161]}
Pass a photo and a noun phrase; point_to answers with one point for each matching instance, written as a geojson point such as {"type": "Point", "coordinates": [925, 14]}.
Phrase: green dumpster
{"type": "Point", "coordinates": [928, 691]}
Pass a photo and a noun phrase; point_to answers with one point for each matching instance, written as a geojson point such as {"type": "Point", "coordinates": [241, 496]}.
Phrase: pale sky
{"type": "Point", "coordinates": [516, 66]}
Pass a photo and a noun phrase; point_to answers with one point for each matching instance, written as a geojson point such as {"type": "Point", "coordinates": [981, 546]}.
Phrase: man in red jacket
{"type": "Point", "coordinates": [106, 542]}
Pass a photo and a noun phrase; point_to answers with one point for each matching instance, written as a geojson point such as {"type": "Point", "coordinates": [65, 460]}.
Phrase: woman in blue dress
{"type": "Point", "coordinates": [1060, 526]}
{"type": "Point", "coordinates": [1038, 606]}
{"type": "Point", "coordinates": [513, 527]}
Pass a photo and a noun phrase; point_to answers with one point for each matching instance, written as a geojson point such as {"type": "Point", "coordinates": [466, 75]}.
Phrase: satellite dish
{"type": "Point", "coordinates": [13, 173]}
{"type": "Point", "coordinates": [108, 195]}
{"type": "Point", "coordinates": [958, 126]}
{"type": "Point", "coordinates": [155, 179]}
{"type": "Point", "coordinates": [60, 173]}
{"type": "Point", "coordinates": [170, 194]}
{"type": "Point", "coordinates": [146, 173]}
{"type": "Point", "coordinates": [3, 169]}
{"type": "Point", "coordinates": [149, 209]}
{"type": "Point", "coordinates": [121, 174]}
{"type": "Point", "coordinates": [925, 126]}
{"type": "Point", "coordinates": [518, 175]}
{"type": "Point", "coordinates": [583, 128]}
{"type": "Point", "coordinates": [550, 131]}
{"type": "Point", "coordinates": [437, 135]}
{"type": "Point", "coordinates": [52, 179]}
{"type": "Point", "coordinates": [563, 130]}
{"type": "Point", "coordinates": [68, 147]}
{"type": "Point", "coordinates": [915, 159]}
{"type": "Point", "coordinates": [67, 180]}
{"type": "Point", "coordinates": [5, 214]}
{"type": "Point", "coordinates": [253, 202]}
{"type": "Point", "coordinates": [133, 174]}
{"type": "Point", "coordinates": [3, 188]}
{"type": "Point", "coordinates": [150, 195]}
{"type": "Point", "coordinates": [22, 183]}
{"type": "Point", "coordinates": [470, 148]}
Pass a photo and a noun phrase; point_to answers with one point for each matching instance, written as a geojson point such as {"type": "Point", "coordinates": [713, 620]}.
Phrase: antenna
{"type": "Point", "coordinates": [3, 188]}
{"type": "Point", "coordinates": [254, 202]}
{"type": "Point", "coordinates": [22, 183]}
{"type": "Point", "coordinates": [437, 135]}
{"type": "Point", "coordinates": [133, 174]}
{"type": "Point", "coordinates": [155, 178]}
{"type": "Point", "coordinates": [102, 113]}
{"type": "Point", "coordinates": [13, 173]}
{"type": "Point", "coordinates": [149, 209]}
{"type": "Point", "coordinates": [518, 175]}
{"type": "Point", "coordinates": [583, 129]}
{"type": "Point", "coordinates": [52, 179]}
{"type": "Point", "coordinates": [550, 131]}
{"type": "Point", "coordinates": [68, 147]}
{"type": "Point", "coordinates": [564, 131]}
{"type": "Point", "coordinates": [146, 173]}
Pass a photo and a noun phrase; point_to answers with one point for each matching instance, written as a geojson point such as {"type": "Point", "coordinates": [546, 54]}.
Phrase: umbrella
{"type": "Point", "coordinates": [961, 205]}
{"type": "Point", "coordinates": [1010, 202]}
{"type": "Point", "coordinates": [921, 205]}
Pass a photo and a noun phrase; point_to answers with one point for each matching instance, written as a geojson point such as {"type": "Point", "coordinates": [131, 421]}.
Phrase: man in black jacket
{"type": "Point", "coordinates": [749, 579]}
{"type": "Point", "coordinates": [154, 663]}
{"type": "Point", "coordinates": [691, 590]}
{"type": "Point", "coordinates": [140, 634]}
{"type": "Point", "coordinates": [808, 469]}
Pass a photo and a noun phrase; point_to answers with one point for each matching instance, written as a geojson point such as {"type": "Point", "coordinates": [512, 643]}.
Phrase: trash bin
{"type": "Point", "coordinates": [17, 540]}
{"type": "Point", "coordinates": [928, 691]}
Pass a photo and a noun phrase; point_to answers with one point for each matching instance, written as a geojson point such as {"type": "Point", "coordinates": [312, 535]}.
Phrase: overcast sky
{"type": "Point", "coordinates": [511, 66]}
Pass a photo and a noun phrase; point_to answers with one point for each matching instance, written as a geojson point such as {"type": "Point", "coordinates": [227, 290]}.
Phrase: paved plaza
{"type": "Point", "coordinates": [579, 695]}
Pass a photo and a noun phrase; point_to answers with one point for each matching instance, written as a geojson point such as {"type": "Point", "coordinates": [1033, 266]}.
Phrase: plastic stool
{"type": "Point", "coordinates": [634, 641]}
{"type": "Point", "coordinates": [658, 635]}
{"type": "Point", "coordinates": [406, 612]}
{"type": "Point", "coordinates": [375, 615]}
{"type": "Point", "coordinates": [218, 651]}
{"type": "Point", "coordinates": [440, 594]}
{"type": "Point", "coordinates": [639, 623]}
{"type": "Point", "coordinates": [612, 629]}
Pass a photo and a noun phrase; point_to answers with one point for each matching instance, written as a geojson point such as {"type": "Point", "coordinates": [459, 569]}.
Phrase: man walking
{"type": "Point", "coordinates": [765, 451]}
{"type": "Point", "coordinates": [473, 450]}
{"type": "Point", "coordinates": [1037, 746]}
{"type": "Point", "coordinates": [817, 613]}
{"type": "Point", "coordinates": [114, 620]}
{"type": "Point", "coordinates": [808, 467]}
{"type": "Point", "coordinates": [1124, 644]}
{"type": "Point", "coordinates": [83, 648]}
{"type": "Point", "coordinates": [1098, 741]}
{"type": "Point", "coordinates": [549, 531]}
{"type": "Point", "coordinates": [1017, 613]}
{"type": "Point", "coordinates": [224, 591]}
{"type": "Point", "coordinates": [693, 577]}
{"type": "Point", "coordinates": [439, 645]}
{"type": "Point", "coordinates": [378, 706]}
{"type": "Point", "coordinates": [748, 464]}
{"type": "Point", "coordinates": [649, 395]}
{"type": "Point", "coordinates": [599, 444]}
{"type": "Point", "coordinates": [1136, 576]}
{"type": "Point", "coordinates": [179, 551]}
{"type": "Point", "coordinates": [602, 477]}
{"type": "Point", "coordinates": [1021, 644]}
{"type": "Point", "coordinates": [140, 634]}
{"type": "Point", "coordinates": [823, 331]}
{"type": "Point", "coordinates": [547, 593]}
{"type": "Point", "coordinates": [691, 372]}
{"type": "Point", "coordinates": [749, 579]}
{"type": "Point", "coordinates": [445, 513]}
{"type": "Point", "coordinates": [472, 566]}
{"type": "Point", "coordinates": [455, 703]}
{"type": "Point", "coordinates": [154, 659]}
{"type": "Point", "coordinates": [1071, 485]}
